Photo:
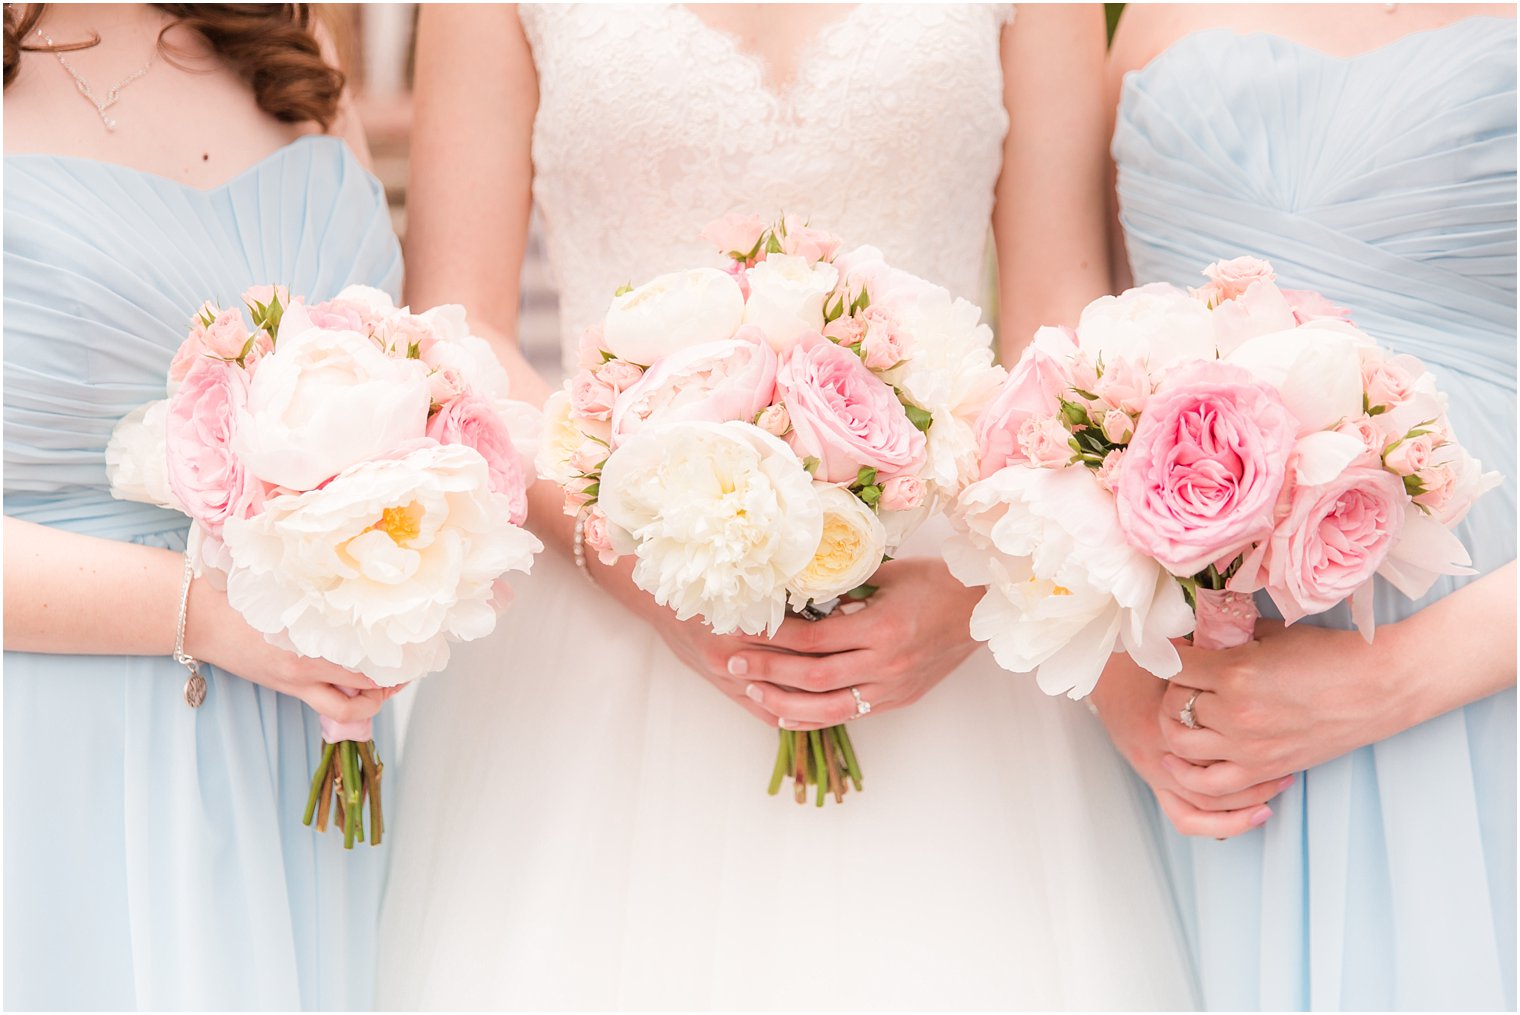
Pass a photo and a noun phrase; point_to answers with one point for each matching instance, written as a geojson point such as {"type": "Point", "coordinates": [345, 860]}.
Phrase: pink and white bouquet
{"type": "Point", "coordinates": [763, 437]}
{"type": "Point", "coordinates": [354, 481]}
{"type": "Point", "coordinates": [1145, 474]}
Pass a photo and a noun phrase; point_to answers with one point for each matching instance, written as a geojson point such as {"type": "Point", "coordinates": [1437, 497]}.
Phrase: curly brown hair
{"type": "Point", "coordinates": [273, 47]}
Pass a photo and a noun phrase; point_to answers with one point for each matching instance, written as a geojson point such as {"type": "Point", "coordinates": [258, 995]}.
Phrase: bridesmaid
{"type": "Point", "coordinates": [1368, 152]}
{"type": "Point", "coordinates": [154, 853]}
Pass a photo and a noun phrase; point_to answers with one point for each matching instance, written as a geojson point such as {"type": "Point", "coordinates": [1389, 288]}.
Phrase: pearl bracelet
{"type": "Point", "coordinates": [578, 547]}
{"type": "Point", "coordinates": [195, 686]}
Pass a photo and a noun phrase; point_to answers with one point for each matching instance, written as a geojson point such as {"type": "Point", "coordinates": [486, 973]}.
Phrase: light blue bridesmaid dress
{"type": "Point", "coordinates": [154, 854]}
{"type": "Point", "coordinates": [1386, 878]}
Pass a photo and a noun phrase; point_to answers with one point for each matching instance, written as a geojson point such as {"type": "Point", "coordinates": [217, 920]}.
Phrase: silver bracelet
{"type": "Point", "coordinates": [578, 547]}
{"type": "Point", "coordinates": [195, 686]}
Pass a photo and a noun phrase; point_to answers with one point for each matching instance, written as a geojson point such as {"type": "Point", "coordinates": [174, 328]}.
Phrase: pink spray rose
{"type": "Point", "coordinates": [619, 374]}
{"type": "Point", "coordinates": [902, 493]}
{"type": "Point", "coordinates": [597, 536]}
{"type": "Point", "coordinates": [1366, 431]}
{"type": "Point", "coordinates": [1117, 426]}
{"type": "Point", "coordinates": [734, 233]}
{"type": "Point", "coordinates": [774, 420]}
{"type": "Point", "coordinates": [1230, 279]}
{"type": "Point", "coordinates": [1107, 474]}
{"type": "Point", "coordinates": [342, 315]}
{"type": "Point", "coordinates": [807, 242]}
{"type": "Point", "coordinates": [1329, 540]}
{"type": "Point", "coordinates": [845, 330]}
{"type": "Point", "coordinates": [843, 415]}
{"type": "Point", "coordinates": [591, 397]}
{"type": "Point", "coordinates": [1045, 443]}
{"type": "Point", "coordinates": [883, 345]}
{"type": "Point", "coordinates": [185, 356]}
{"type": "Point", "coordinates": [713, 382]}
{"type": "Point", "coordinates": [1125, 385]}
{"type": "Point", "coordinates": [203, 472]}
{"type": "Point", "coordinates": [592, 346]}
{"type": "Point", "coordinates": [1412, 454]}
{"type": "Point", "coordinates": [1205, 466]}
{"type": "Point", "coordinates": [1311, 306]}
{"type": "Point", "coordinates": [471, 420]}
{"type": "Point", "coordinates": [226, 336]}
{"type": "Point", "coordinates": [1389, 380]}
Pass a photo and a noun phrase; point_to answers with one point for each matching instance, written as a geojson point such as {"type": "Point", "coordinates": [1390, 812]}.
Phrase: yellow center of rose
{"type": "Point", "coordinates": [400, 523]}
{"type": "Point", "coordinates": [839, 548]}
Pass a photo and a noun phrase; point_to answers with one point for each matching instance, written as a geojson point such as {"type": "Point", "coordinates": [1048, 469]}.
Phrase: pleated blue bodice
{"type": "Point", "coordinates": [154, 854]}
{"type": "Point", "coordinates": [1387, 182]}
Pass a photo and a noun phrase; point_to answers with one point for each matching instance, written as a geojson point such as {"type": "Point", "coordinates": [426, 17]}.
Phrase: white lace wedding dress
{"type": "Point", "coordinates": [581, 821]}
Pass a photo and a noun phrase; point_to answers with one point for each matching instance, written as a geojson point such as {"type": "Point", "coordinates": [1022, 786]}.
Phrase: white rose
{"type": "Point", "coordinates": [382, 567]}
{"type": "Point", "coordinates": [1064, 589]}
{"type": "Point", "coordinates": [325, 400]}
{"type": "Point", "coordinates": [671, 312]}
{"type": "Point", "coordinates": [1155, 325]}
{"type": "Point", "coordinates": [137, 459]}
{"type": "Point", "coordinates": [721, 517]}
{"type": "Point", "coordinates": [849, 552]}
{"type": "Point", "coordinates": [786, 295]}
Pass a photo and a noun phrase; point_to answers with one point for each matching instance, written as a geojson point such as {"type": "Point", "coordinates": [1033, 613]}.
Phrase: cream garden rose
{"type": "Point", "coordinates": [848, 553]}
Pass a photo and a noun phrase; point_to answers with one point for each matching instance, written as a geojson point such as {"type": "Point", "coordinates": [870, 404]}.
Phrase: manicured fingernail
{"type": "Point", "coordinates": [854, 606]}
{"type": "Point", "coordinates": [738, 665]}
{"type": "Point", "coordinates": [1260, 817]}
{"type": "Point", "coordinates": [753, 692]}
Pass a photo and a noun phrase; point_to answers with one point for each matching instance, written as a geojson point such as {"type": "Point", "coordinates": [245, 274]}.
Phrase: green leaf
{"type": "Point", "coordinates": [773, 245]}
{"type": "Point", "coordinates": [920, 418]}
{"type": "Point", "coordinates": [1413, 486]}
{"type": "Point", "coordinates": [862, 592]}
{"type": "Point", "coordinates": [623, 290]}
{"type": "Point", "coordinates": [593, 490]}
{"type": "Point", "coordinates": [247, 348]}
{"type": "Point", "coordinates": [861, 302]}
{"type": "Point", "coordinates": [414, 351]}
{"type": "Point", "coordinates": [810, 464]}
{"type": "Point", "coordinates": [834, 313]}
{"type": "Point", "coordinates": [866, 476]}
{"type": "Point", "coordinates": [1086, 394]}
{"type": "Point", "coordinates": [1189, 592]}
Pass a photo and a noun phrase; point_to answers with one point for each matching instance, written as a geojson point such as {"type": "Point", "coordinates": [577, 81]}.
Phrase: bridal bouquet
{"type": "Point", "coordinates": [763, 437]}
{"type": "Point", "coordinates": [352, 480]}
{"type": "Point", "coordinates": [1145, 474]}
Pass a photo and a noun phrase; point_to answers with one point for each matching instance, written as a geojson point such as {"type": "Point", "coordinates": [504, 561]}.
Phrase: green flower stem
{"type": "Point", "coordinates": [316, 783]}
{"type": "Point", "coordinates": [848, 750]}
{"type": "Point", "coordinates": [778, 771]}
{"type": "Point", "coordinates": [816, 743]}
{"type": "Point", "coordinates": [373, 769]}
{"type": "Point", "coordinates": [350, 793]}
{"type": "Point", "coordinates": [799, 760]}
{"type": "Point", "coordinates": [831, 765]}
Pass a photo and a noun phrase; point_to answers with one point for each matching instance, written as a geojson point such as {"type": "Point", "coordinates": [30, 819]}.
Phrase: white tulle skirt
{"type": "Point", "coordinates": [582, 823]}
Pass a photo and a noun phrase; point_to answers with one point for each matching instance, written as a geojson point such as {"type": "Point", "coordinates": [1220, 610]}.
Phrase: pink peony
{"type": "Point", "coordinates": [1230, 279]}
{"type": "Point", "coordinates": [1038, 381]}
{"type": "Point", "coordinates": [843, 415]}
{"type": "Point", "coordinates": [1329, 540]}
{"type": "Point", "coordinates": [713, 382]}
{"type": "Point", "coordinates": [902, 493]}
{"type": "Point", "coordinates": [471, 420]}
{"type": "Point", "coordinates": [734, 233]}
{"type": "Point", "coordinates": [203, 472]}
{"type": "Point", "coordinates": [1204, 467]}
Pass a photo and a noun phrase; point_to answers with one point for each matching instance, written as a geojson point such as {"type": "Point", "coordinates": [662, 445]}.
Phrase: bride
{"type": "Point", "coordinates": [582, 821]}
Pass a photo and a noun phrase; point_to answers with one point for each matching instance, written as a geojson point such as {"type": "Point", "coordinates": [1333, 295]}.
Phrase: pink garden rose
{"type": "Point", "coordinates": [843, 415]}
{"type": "Point", "coordinates": [471, 420]}
{"type": "Point", "coordinates": [1329, 540]}
{"type": "Point", "coordinates": [1034, 387]}
{"type": "Point", "coordinates": [203, 472]}
{"type": "Point", "coordinates": [714, 382]}
{"type": "Point", "coordinates": [1205, 466]}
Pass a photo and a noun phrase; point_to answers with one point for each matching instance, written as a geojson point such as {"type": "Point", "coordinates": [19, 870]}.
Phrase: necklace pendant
{"type": "Point", "coordinates": [195, 689]}
{"type": "Point", "coordinates": [108, 121]}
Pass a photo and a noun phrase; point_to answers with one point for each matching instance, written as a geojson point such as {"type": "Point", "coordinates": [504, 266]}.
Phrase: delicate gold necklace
{"type": "Point", "coordinates": [101, 105]}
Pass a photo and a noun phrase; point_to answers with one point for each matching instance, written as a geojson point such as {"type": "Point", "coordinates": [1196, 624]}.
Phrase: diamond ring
{"type": "Point", "coordinates": [1186, 716]}
{"type": "Point", "coordinates": [862, 707]}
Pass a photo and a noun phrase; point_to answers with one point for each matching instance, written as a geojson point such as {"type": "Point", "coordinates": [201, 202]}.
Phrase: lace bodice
{"type": "Point", "coordinates": [651, 123]}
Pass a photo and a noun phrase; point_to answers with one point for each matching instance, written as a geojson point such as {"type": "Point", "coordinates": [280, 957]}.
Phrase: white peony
{"type": "Point", "coordinates": [326, 400]}
{"type": "Point", "coordinates": [1155, 325]}
{"type": "Point", "coordinates": [950, 372]}
{"type": "Point", "coordinates": [137, 462]}
{"type": "Point", "coordinates": [381, 568]}
{"type": "Point", "coordinates": [671, 312]}
{"type": "Point", "coordinates": [721, 516]}
{"type": "Point", "coordinates": [848, 553]}
{"type": "Point", "coordinates": [377, 301]}
{"type": "Point", "coordinates": [786, 296]}
{"type": "Point", "coordinates": [1064, 590]}
{"type": "Point", "coordinates": [1316, 367]}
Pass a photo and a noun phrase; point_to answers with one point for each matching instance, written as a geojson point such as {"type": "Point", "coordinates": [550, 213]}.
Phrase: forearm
{"type": "Point", "coordinates": [1480, 619]}
{"type": "Point", "coordinates": [76, 594]}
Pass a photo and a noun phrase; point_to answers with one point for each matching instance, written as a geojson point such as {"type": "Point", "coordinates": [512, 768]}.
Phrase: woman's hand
{"type": "Point", "coordinates": [892, 648]}
{"type": "Point", "coordinates": [217, 634]}
{"type": "Point", "coordinates": [1129, 700]}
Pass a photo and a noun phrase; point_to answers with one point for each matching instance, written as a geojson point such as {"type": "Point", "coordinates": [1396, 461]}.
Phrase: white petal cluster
{"type": "Point", "coordinates": [1064, 591]}
{"type": "Point", "coordinates": [381, 567]}
{"type": "Point", "coordinates": [721, 517]}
